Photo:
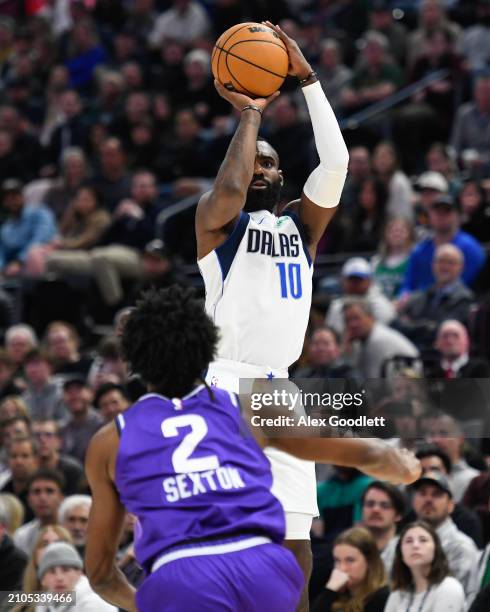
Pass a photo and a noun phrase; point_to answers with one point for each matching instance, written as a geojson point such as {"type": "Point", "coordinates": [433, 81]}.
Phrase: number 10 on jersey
{"type": "Point", "coordinates": [290, 275]}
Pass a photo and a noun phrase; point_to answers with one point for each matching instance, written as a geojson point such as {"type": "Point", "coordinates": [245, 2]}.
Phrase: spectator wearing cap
{"type": "Point", "coordinates": [61, 570]}
{"type": "Point", "coordinates": [47, 435]}
{"type": "Point", "coordinates": [383, 506]}
{"type": "Point", "coordinates": [186, 21]}
{"type": "Point", "coordinates": [371, 344]}
{"type": "Point", "coordinates": [377, 76]}
{"type": "Point", "coordinates": [471, 128]}
{"type": "Point", "coordinates": [83, 422]}
{"type": "Point", "coordinates": [158, 269]}
{"type": "Point", "coordinates": [357, 281]}
{"type": "Point", "coordinates": [445, 224]}
{"type": "Point", "coordinates": [43, 395]}
{"type": "Point", "coordinates": [24, 227]}
{"type": "Point", "coordinates": [45, 494]}
{"type": "Point", "coordinates": [14, 560]}
{"type": "Point", "coordinates": [433, 502]}
{"type": "Point", "coordinates": [430, 186]}
{"type": "Point", "coordinates": [110, 400]}
{"type": "Point", "coordinates": [447, 298]}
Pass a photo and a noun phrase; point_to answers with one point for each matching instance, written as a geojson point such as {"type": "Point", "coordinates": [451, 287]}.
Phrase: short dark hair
{"type": "Point", "coordinates": [434, 451]}
{"type": "Point", "coordinates": [169, 340]}
{"type": "Point", "coordinates": [401, 576]}
{"type": "Point", "coordinates": [396, 497]}
{"type": "Point", "coordinates": [21, 440]}
{"type": "Point", "coordinates": [47, 474]}
{"type": "Point", "coordinates": [14, 419]}
{"type": "Point", "coordinates": [107, 388]}
{"type": "Point", "coordinates": [37, 354]}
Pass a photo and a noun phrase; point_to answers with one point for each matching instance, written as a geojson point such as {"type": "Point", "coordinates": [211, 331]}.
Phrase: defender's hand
{"type": "Point", "coordinates": [239, 100]}
{"type": "Point", "coordinates": [298, 64]}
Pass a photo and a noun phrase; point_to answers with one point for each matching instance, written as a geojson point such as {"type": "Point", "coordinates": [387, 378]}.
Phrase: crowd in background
{"type": "Point", "coordinates": [109, 124]}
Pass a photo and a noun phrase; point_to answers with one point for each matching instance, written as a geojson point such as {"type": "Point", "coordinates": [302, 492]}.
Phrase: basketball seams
{"type": "Point", "coordinates": [279, 76]}
{"type": "Point", "coordinates": [268, 42]}
{"type": "Point", "coordinates": [245, 25]}
{"type": "Point", "coordinates": [245, 90]}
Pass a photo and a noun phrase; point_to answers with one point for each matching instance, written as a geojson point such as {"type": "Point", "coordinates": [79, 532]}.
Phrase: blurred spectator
{"type": "Point", "coordinates": [364, 227]}
{"type": "Point", "coordinates": [12, 427]}
{"type": "Point", "coordinates": [14, 560]}
{"type": "Point", "coordinates": [383, 21]}
{"type": "Point", "coordinates": [430, 187]}
{"type": "Point", "coordinates": [142, 17]}
{"type": "Point", "coordinates": [323, 358]}
{"type": "Point", "coordinates": [400, 194]}
{"type": "Point", "coordinates": [390, 264]}
{"type": "Point", "coordinates": [421, 575]}
{"type": "Point", "coordinates": [432, 17]}
{"type": "Point", "coordinates": [84, 54]}
{"type": "Point", "coordinates": [73, 516]}
{"type": "Point", "coordinates": [359, 171]}
{"type": "Point", "coordinates": [45, 494]}
{"type": "Point", "coordinates": [19, 340]}
{"type": "Point", "coordinates": [13, 122]}
{"type": "Point", "coordinates": [290, 137]}
{"type": "Point", "coordinates": [137, 108]}
{"type": "Point", "coordinates": [74, 172]}
{"type": "Point", "coordinates": [63, 342]}
{"type": "Point", "coordinates": [83, 422]}
{"type": "Point", "coordinates": [448, 298]}
{"type": "Point", "coordinates": [376, 76]}
{"type": "Point", "coordinates": [445, 432]}
{"type": "Point", "coordinates": [112, 182]}
{"type": "Point", "coordinates": [47, 535]}
{"type": "Point", "coordinates": [23, 459]}
{"type": "Point", "coordinates": [332, 73]}
{"type": "Point", "coordinates": [371, 344]}
{"type": "Point", "coordinates": [445, 224]}
{"type": "Point", "coordinates": [81, 227]}
{"type": "Point", "coordinates": [358, 580]}
{"type": "Point", "coordinates": [60, 570]}
{"type": "Point", "coordinates": [476, 38]}
{"type": "Point", "coordinates": [110, 400]}
{"type": "Point", "coordinates": [13, 406]}
{"type": "Point", "coordinates": [158, 269]}
{"type": "Point", "coordinates": [25, 227]}
{"type": "Point", "coordinates": [8, 386]}
{"type": "Point", "coordinates": [106, 106]}
{"type": "Point", "coordinates": [15, 512]}
{"type": "Point", "coordinates": [108, 365]}
{"type": "Point", "coordinates": [46, 433]}
{"type": "Point", "coordinates": [383, 506]}
{"type": "Point", "coordinates": [43, 395]}
{"type": "Point", "coordinates": [475, 211]}
{"type": "Point", "coordinates": [477, 498]}
{"type": "Point", "coordinates": [440, 158]}
{"type": "Point", "coordinates": [72, 129]}
{"type": "Point", "coordinates": [472, 123]}
{"type": "Point", "coordinates": [357, 280]}
{"type": "Point", "coordinates": [11, 163]}
{"type": "Point", "coordinates": [185, 22]}
{"type": "Point", "coordinates": [432, 502]}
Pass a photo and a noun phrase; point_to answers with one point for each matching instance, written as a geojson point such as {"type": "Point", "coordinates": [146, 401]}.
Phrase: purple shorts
{"type": "Point", "coordinates": [264, 578]}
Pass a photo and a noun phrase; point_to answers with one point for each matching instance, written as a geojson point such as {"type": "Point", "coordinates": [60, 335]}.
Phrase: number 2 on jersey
{"type": "Point", "coordinates": [290, 281]}
{"type": "Point", "coordinates": [181, 455]}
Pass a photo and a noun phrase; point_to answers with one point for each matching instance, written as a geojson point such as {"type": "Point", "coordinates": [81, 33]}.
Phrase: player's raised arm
{"type": "Point", "coordinates": [105, 523]}
{"type": "Point", "coordinates": [221, 206]}
{"type": "Point", "coordinates": [323, 188]}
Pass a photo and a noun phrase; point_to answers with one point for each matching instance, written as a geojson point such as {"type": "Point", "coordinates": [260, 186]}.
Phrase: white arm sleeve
{"type": "Point", "coordinates": [324, 185]}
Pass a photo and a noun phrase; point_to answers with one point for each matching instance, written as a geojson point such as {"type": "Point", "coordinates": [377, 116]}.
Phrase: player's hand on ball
{"type": "Point", "coordinates": [298, 64]}
{"type": "Point", "coordinates": [240, 101]}
{"type": "Point", "coordinates": [338, 580]}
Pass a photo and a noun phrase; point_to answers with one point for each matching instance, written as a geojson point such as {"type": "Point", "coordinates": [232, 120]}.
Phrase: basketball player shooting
{"type": "Point", "coordinates": [183, 460]}
{"type": "Point", "coordinates": [257, 268]}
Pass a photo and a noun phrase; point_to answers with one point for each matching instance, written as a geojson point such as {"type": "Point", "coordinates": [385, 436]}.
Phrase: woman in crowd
{"type": "Point", "coordinates": [81, 227]}
{"type": "Point", "coordinates": [400, 193]}
{"type": "Point", "coordinates": [357, 582]}
{"type": "Point", "coordinates": [391, 262]}
{"type": "Point", "coordinates": [475, 212]}
{"type": "Point", "coordinates": [366, 227]}
{"type": "Point", "coordinates": [420, 575]}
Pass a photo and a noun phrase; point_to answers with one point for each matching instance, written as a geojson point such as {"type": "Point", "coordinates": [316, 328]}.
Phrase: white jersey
{"type": "Point", "coordinates": [258, 290]}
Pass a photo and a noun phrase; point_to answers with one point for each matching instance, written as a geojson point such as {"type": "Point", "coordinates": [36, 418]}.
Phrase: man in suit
{"type": "Point", "coordinates": [447, 298]}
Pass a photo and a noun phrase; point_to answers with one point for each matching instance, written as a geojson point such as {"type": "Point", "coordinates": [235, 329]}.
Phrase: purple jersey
{"type": "Point", "coordinates": [190, 469]}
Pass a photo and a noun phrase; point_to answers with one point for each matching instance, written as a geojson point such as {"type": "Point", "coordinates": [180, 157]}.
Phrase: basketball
{"type": "Point", "coordinates": [252, 58]}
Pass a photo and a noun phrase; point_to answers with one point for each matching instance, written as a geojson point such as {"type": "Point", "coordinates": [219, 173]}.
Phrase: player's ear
{"type": "Point", "coordinates": [281, 177]}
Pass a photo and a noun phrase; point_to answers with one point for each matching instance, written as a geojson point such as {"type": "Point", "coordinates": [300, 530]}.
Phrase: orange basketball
{"type": "Point", "coordinates": [252, 58]}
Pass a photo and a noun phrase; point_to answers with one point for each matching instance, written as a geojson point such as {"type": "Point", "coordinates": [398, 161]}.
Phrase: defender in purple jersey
{"type": "Point", "coordinates": [183, 460]}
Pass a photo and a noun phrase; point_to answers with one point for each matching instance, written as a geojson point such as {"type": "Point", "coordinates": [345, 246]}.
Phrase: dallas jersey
{"type": "Point", "coordinates": [258, 290]}
{"type": "Point", "coordinates": [190, 469]}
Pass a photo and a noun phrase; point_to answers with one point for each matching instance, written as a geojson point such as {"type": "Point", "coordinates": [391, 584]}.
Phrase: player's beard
{"type": "Point", "coordinates": [263, 199]}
